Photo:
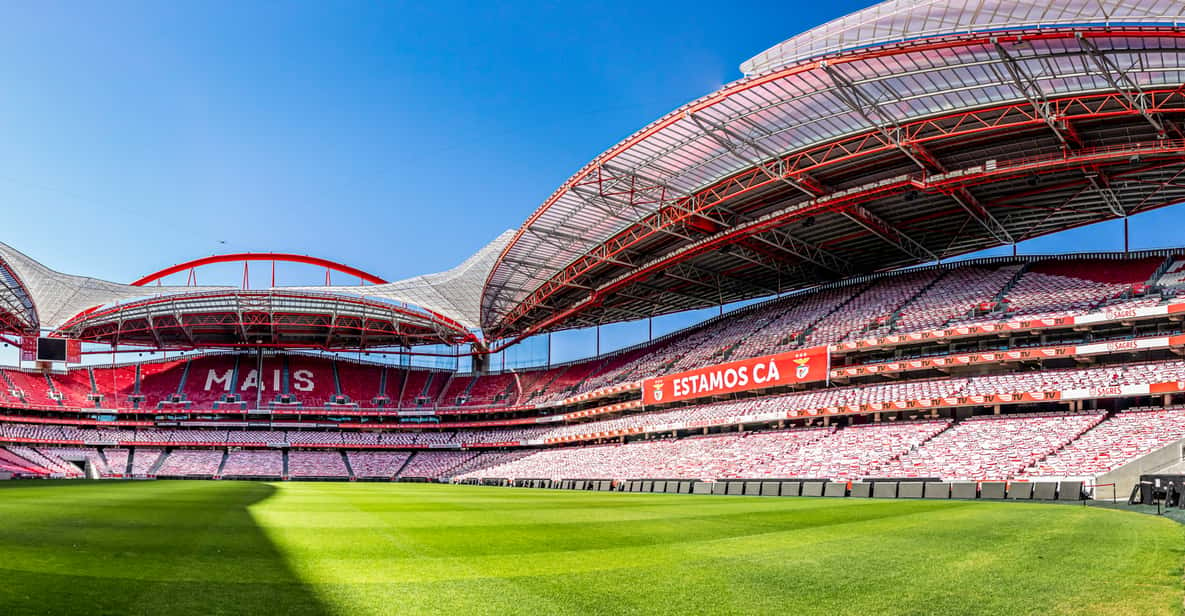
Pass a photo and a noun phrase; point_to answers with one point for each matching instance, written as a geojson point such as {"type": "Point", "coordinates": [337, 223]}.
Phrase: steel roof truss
{"type": "Point", "coordinates": [783, 240]}
{"type": "Point", "coordinates": [854, 97]}
{"type": "Point", "coordinates": [760, 158]}
{"type": "Point", "coordinates": [1122, 82]}
{"type": "Point", "coordinates": [886, 231]}
{"type": "Point", "coordinates": [1102, 186]}
{"type": "Point", "coordinates": [1031, 90]}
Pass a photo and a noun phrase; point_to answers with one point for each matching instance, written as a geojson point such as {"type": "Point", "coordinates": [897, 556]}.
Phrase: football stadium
{"type": "Point", "coordinates": [876, 418]}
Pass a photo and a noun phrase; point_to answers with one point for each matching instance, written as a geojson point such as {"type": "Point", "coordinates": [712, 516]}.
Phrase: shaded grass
{"type": "Point", "coordinates": [318, 548]}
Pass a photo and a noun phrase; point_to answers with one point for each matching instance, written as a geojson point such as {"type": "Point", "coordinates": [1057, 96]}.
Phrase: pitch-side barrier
{"type": "Point", "coordinates": [822, 488]}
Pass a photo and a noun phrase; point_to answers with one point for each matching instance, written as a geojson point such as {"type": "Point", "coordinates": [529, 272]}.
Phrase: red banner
{"type": "Point", "coordinates": [804, 366]}
{"type": "Point", "coordinates": [74, 351]}
{"type": "Point", "coordinates": [29, 348]}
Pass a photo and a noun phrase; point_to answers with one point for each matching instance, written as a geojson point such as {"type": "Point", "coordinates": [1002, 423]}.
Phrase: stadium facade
{"type": "Point", "coordinates": [839, 177]}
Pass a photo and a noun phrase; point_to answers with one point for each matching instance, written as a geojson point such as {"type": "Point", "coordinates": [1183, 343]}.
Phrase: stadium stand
{"type": "Point", "coordinates": [64, 457]}
{"type": "Point", "coordinates": [982, 448]}
{"type": "Point", "coordinates": [12, 462]}
{"type": "Point", "coordinates": [117, 384]}
{"type": "Point", "coordinates": [208, 380]}
{"type": "Point", "coordinates": [1021, 442]}
{"type": "Point", "coordinates": [117, 461]}
{"type": "Point", "coordinates": [74, 388]}
{"type": "Point", "coordinates": [316, 464]}
{"type": "Point", "coordinates": [432, 464]}
{"type": "Point", "coordinates": [376, 464]}
{"type": "Point", "coordinates": [159, 381]}
{"type": "Point", "coordinates": [361, 383]}
{"type": "Point", "coordinates": [145, 460]}
{"type": "Point", "coordinates": [190, 462]}
{"type": "Point", "coordinates": [31, 388]}
{"type": "Point", "coordinates": [1114, 442]}
{"type": "Point", "coordinates": [253, 463]}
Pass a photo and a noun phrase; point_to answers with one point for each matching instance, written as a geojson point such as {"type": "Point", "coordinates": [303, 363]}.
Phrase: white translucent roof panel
{"type": "Point", "coordinates": [58, 297]}
{"type": "Point", "coordinates": [455, 294]}
{"type": "Point", "coordinates": [805, 105]}
{"type": "Point", "coordinates": [899, 20]}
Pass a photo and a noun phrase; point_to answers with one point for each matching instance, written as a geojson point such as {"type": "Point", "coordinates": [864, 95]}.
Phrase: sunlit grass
{"type": "Point", "coordinates": [319, 548]}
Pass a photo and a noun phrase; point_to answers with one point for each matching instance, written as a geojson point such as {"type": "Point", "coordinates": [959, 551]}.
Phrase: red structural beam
{"type": "Point", "coordinates": [260, 256]}
{"type": "Point", "coordinates": [401, 313]}
{"type": "Point", "coordinates": [1005, 169]}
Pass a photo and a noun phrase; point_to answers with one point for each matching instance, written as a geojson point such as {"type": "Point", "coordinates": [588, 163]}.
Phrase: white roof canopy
{"type": "Point", "coordinates": [899, 20]}
{"type": "Point", "coordinates": [49, 299]}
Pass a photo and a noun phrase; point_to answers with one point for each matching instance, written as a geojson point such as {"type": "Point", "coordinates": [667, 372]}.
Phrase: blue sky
{"type": "Point", "coordinates": [395, 137]}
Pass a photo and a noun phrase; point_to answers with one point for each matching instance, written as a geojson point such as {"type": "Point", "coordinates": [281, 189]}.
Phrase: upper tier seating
{"type": "Point", "coordinates": [454, 391]}
{"type": "Point", "coordinates": [869, 313]}
{"type": "Point", "coordinates": [494, 390]}
{"type": "Point", "coordinates": [567, 381]}
{"type": "Point", "coordinates": [118, 383]}
{"type": "Point", "coordinates": [74, 387]}
{"type": "Point", "coordinates": [413, 388]}
{"type": "Point", "coordinates": [954, 296]}
{"type": "Point", "coordinates": [269, 381]}
{"type": "Point", "coordinates": [535, 384]}
{"type": "Point", "coordinates": [159, 381]}
{"type": "Point", "coordinates": [360, 382]}
{"type": "Point", "coordinates": [311, 380]}
{"type": "Point", "coordinates": [792, 317]}
{"type": "Point", "coordinates": [1173, 278]}
{"type": "Point", "coordinates": [212, 378]}
{"type": "Point", "coordinates": [32, 386]}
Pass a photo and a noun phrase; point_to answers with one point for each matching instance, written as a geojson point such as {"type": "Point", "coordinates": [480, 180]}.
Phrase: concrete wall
{"type": "Point", "coordinates": [1127, 475]}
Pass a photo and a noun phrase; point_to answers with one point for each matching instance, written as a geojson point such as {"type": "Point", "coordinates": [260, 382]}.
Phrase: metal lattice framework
{"type": "Point", "coordinates": [17, 313]}
{"type": "Point", "coordinates": [903, 134]}
{"type": "Point", "coordinates": [271, 318]}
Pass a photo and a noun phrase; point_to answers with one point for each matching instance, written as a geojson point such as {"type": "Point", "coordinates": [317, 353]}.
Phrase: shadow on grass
{"type": "Point", "coordinates": [142, 548]}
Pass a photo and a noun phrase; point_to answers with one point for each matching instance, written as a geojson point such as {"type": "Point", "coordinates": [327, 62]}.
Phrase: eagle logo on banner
{"type": "Point", "coordinates": [804, 367]}
{"type": "Point", "coordinates": [658, 391]}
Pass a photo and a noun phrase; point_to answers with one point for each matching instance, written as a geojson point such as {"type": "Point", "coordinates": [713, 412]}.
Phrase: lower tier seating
{"type": "Point", "coordinates": [1114, 442]}
{"type": "Point", "coordinates": [191, 462]}
{"type": "Point", "coordinates": [254, 463]}
{"type": "Point", "coordinates": [376, 463]}
{"type": "Point", "coordinates": [992, 447]}
{"type": "Point", "coordinates": [316, 464]}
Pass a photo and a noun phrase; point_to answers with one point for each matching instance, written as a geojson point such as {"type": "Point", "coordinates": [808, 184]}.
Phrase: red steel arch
{"type": "Point", "coordinates": [260, 256]}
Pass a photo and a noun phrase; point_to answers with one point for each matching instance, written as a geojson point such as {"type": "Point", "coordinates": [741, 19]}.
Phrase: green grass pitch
{"type": "Point", "coordinates": [223, 547]}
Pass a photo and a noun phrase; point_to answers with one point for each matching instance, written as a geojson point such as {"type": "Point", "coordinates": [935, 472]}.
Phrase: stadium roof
{"type": "Point", "coordinates": [901, 134]}
{"type": "Point", "coordinates": [902, 20]}
{"type": "Point", "coordinates": [435, 308]}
